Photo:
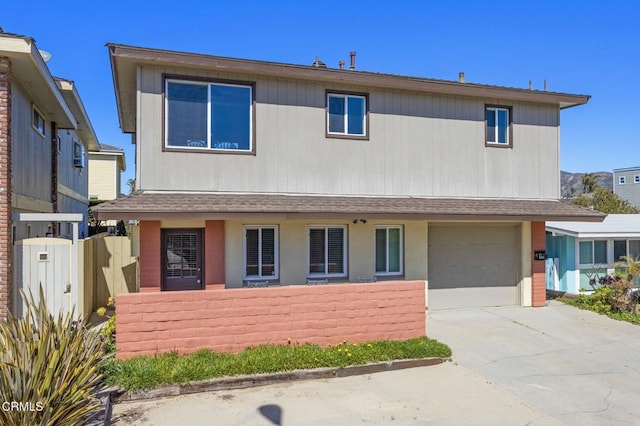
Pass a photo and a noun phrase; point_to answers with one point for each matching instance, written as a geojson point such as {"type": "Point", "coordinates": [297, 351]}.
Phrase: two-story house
{"type": "Point", "coordinates": [44, 135]}
{"type": "Point", "coordinates": [626, 184]}
{"type": "Point", "coordinates": [105, 169]}
{"type": "Point", "coordinates": [252, 171]}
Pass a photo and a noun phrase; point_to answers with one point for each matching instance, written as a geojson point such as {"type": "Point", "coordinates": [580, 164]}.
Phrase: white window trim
{"type": "Point", "coordinates": [593, 254]}
{"type": "Point", "coordinates": [636, 179]}
{"type": "Point", "coordinates": [622, 180]}
{"type": "Point", "coordinates": [401, 242]}
{"type": "Point", "coordinates": [497, 127]}
{"type": "Point", "coordinates": [208, 147]}
{"type": "Point", "coordinates": [276, 249]}
{"type": "Point", "coordinates": [326, 252]}
{"type": "Point", "coordinates": [346, 114]}
{"type": "Point", "coordinates": [34, 111]}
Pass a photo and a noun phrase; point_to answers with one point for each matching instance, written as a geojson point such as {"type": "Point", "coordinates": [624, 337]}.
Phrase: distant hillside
{"type": "Point", "coordinates": [573, 180]}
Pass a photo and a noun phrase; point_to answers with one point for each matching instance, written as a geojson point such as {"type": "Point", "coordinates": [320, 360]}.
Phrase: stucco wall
{"type": "Point", "coordinates": [293, 247]}
{"type": "Point", "coordinates": [233, 319]}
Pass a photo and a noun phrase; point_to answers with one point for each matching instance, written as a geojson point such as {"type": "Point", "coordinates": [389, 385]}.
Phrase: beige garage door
{"type": "Point", "coordinates": [473, 265]}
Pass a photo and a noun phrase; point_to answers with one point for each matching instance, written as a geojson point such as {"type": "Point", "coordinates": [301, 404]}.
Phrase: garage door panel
{"type": "Point", "coordinates": [478, 265]}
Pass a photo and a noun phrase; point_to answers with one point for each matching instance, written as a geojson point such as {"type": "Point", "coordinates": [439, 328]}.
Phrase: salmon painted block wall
{"type": "Point", "coordinates": [234, 319]}
{"type": "Point", "coordinates": [538, 275]}
{"type": "Point", "coordinates": [150, 255]}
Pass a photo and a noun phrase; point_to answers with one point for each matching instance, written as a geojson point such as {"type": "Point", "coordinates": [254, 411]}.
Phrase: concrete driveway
{"type": "Point", "coordinates": [574, 366]}
{"type": "Point", "coordinates": [511, 366]}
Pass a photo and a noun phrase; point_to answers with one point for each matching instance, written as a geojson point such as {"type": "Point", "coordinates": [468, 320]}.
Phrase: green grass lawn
{"type": "Point", "coordinates": [171, 368]}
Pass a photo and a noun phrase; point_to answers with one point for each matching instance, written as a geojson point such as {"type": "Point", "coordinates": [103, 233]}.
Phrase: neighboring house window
{"type": "Point", "coordinates": [78, 155]}
{"type": "Point", "coordinates": [622, 180]}
{"type": "Point", "coordinates": [388, 250]}
{"type": "Point", "coordinates": [38, 121]}
{"type": "Point", "coordinates": [498, 125]}
{"type": "Point", "coordinates": [327, 251]}
{"type": "Point", "coordinates": [593, 252]}
{"type": "Point", "coordinates": [211, 116]}
{"type": "Point", "coordinates": [629, 248]}
{"type": "Point", "coordinates": [260, 252]}
{"type": "Point", "coordinates": [636, 179]}
{"type": "Point", "coordinates": [346, 115]}
{"type": "Point", "coordinates": [59, 139]}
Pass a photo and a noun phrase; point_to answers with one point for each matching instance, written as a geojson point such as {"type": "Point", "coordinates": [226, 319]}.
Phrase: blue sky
{"type": "Point", "coordinates": [583, 47]}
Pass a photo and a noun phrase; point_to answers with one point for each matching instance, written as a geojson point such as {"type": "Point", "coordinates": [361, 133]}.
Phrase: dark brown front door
{"type": "Point", "coordinates": [182, 259]}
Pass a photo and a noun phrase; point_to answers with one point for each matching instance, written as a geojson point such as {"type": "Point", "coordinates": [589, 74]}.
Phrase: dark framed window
{"type": "Point", "coordinates": [630, 248]}
{"type": "Point", "coordinates": [212, 116]}
{"type": "Point", "coordinates": [498, 126]}
{"type": "Point", "coordinates": [260, 252]}
{"type": "Point", "coordinates": [327, 251]}
{"type": "Point", "coordinates": [347, 115]}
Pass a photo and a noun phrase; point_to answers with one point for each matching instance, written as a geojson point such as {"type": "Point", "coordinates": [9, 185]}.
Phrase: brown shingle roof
{"type": "Point", "coordinates": [176, 205]}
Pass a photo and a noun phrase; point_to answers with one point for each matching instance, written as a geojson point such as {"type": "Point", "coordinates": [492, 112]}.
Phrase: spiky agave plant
{"type": "Point", "coordinates": [48, 368]}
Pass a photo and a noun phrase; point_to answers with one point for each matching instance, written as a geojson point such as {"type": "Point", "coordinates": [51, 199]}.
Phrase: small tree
{"type": "Point", "coordinates": [589, 182]}
{"type": "Point", "coordinates": [604, 201]}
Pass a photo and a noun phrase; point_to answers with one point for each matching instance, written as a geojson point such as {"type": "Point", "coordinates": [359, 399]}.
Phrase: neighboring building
{"type": "Point", "coordinates": [251, 171]}
{"type": "Point", "coordinates": [44, 135]}
{"type": "Point", "coordinates": [626, 184]}
{"type": "Point", "coordinates": [577, 251]}
{"type": "Point", "coordinates": [105, 169]}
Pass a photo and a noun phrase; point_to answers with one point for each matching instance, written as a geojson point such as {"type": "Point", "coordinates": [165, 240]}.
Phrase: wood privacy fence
{"type": "Point", "coordinates": [106, 269]}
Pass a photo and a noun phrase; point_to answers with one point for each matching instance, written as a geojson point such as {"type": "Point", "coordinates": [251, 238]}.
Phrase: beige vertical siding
{"type": "Point", "coordinates": [103, 171]}
{"type": "Point", "coordinates": [419, 144]}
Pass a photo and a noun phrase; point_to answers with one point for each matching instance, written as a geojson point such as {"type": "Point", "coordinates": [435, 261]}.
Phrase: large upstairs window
{"type": "Point", "coordinates": [209, 116]}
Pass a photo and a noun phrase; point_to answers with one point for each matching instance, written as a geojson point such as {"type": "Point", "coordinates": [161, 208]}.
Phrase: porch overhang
{"type": "Point", "coordinates": [161, 205]}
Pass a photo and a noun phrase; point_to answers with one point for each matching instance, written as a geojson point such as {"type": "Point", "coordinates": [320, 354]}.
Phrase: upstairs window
{"type": "Point", "coordinates": [636, 179]}
{"type": "Point", "coordinates": [498, 125]}
{"type": "Point", "coordinates": [209, 116]}
{"type": "Point", "coordinates": [78, 155]}
{"type": "Point", "coordinates": [622, 180]}
{"type": "Point", "coordinates": [346, 115]}
{"type": "Point", "coordinates": [37, 121]}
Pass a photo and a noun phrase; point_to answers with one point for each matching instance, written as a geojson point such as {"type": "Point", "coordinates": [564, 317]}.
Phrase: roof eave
{"type": "Point", "coordinates": [84, 127]}
{"type": "Point", "coordinates": [32, 73]}
{"type": "Point", "coordinates": [125, 60]}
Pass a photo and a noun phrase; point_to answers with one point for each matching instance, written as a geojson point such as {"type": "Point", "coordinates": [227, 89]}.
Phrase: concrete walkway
{"type": "Point", "coordinates": [511, 366]}
{"type": "Point", "coordinates": [577, 367]}
{"type": "Point", "coordinates": [446, 394]}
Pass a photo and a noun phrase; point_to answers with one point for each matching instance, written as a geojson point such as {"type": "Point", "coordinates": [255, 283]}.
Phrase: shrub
{"type": "Point", "coordinates": [49, 365]}
{"type": "Point", "coordinates": [108, 331]}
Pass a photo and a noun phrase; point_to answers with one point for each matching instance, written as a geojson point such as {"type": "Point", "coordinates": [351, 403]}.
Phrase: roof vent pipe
{"type": "Point", "coordinates": [353, 61]}
{"type": "Point", "coordinates": [460, 77]}
{"type": "Point", "coordinates": [341, 64]}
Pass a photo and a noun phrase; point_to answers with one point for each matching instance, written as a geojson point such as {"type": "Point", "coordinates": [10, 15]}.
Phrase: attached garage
{"type": "Point", "coordinates": [474, 265]}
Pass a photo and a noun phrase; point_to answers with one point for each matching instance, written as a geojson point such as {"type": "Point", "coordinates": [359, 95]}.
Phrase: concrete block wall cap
{"type": "Point", "coordinates": [242, 382]}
